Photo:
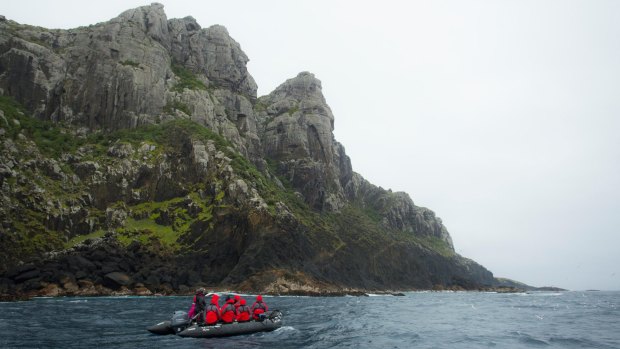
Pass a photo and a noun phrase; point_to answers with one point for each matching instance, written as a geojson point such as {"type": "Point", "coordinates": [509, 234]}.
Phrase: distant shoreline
{"type": "Point", "coordinates": [325, 293]}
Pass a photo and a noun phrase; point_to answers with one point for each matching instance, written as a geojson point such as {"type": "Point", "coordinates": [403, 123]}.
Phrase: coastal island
{"type": "Point", "coordinates": [136, 158]}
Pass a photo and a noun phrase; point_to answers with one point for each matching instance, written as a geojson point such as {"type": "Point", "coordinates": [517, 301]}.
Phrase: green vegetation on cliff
{"type": "Point", "coordinates": [165, 221]}
{"type": "Point", "coordinates": [274, 206]}
{"type": "Point", "coordinates": [183, 222]}
{"type": "Point", "coordinates": [187, 79]}
{"type": "Point", "coordinates": [176, 105]}
{"type": "Point", "coordinates": [51, 139]}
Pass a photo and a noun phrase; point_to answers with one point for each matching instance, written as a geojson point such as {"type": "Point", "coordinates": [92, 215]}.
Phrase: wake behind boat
{"type": "Point", "coordinates": [180, 324]}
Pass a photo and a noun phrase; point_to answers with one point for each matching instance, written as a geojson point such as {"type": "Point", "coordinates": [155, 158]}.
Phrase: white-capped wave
{"type": "Point", "coordinates": [286, 328]}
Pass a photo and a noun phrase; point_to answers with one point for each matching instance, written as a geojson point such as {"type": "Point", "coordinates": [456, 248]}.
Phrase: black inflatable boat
{"type": "Point", "coordinates": [180, 324]}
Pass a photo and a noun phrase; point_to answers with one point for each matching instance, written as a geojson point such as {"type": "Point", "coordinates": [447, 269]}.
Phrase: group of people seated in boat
{"type": "Point", "coordinates": [233, 309]}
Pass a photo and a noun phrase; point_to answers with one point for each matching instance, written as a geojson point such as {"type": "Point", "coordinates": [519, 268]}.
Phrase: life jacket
{"type": "Point", "coordinates": [228, 313]}
{"type": "Point", "coordinates": [237, 302]}
{"type": "Point", "coordinates": [257, 309]}
{"type": "Point", "coordinates": [243, 313]}
{"type": "Point", "coordinates": [213, 314]}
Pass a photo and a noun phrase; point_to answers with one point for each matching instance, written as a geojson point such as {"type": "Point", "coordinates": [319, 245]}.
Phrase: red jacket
{"type": "Point", "coordinates": [243, 312]}
{"type": "Point", "coordinates": [213, 314]}
{"type": "Point", "coordinates": [237, 301]}
{"type": "Point", "coordinates": [258, 307]}
{"type": "Point", "coordinates": [228, 312]}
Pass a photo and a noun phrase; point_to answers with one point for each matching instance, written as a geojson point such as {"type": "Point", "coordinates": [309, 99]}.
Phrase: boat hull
{"type": "Point", "coordinates": [273, 322]}
{"type": "Point", "coordinates": [163, 327]}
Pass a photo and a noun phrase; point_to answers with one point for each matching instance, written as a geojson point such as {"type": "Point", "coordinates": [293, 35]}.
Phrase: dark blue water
{"type": "Point", "coordinates": [418, 320]}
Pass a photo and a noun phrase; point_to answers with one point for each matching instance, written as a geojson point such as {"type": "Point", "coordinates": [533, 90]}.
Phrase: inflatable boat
{"type": "Point", "coordinates": [180, 325]}
{"type": "Point", "coordinates": [179, 322]}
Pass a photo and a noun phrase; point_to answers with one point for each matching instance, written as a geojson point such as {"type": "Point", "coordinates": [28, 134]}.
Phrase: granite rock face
{"type": "Point", "coordinates": [297, 132]}
{"type": "Point", "coordinates": [398, 211]}
{"type": "Point", "coordinates": [120, 74]}
{"type": "Point", "coordinates": [160, 169]}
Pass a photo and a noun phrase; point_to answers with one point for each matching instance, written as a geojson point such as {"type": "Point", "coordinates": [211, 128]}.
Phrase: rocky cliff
{"type": "Point", "coordinates": [136, 157]}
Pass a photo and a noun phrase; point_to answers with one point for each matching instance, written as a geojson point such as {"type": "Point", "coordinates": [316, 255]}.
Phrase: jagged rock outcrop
{"type": "Point", "coordinates": [121, 74]}
{"type": "Point", "coordinates": [162, 170]}
{"type": "Point", "coordinates": [213, 53]}
{"type": "Point", "coordinates": [297, 132]}
{"type": "Point", "coordinates": [398, 211]}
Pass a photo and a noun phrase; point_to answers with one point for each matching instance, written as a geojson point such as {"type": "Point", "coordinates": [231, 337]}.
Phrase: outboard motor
{"type": "Point", "coordinates": [180, 321]}
{"type": "Point", "coordinates": [275, 315]}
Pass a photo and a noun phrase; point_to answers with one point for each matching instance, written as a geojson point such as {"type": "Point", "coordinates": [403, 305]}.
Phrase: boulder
{"type": "Point", "coordinates": [116, 280]}
{"type": "Point", "coordinates": [81, 274]}
{"type": "Point", "coordinates": [85, 169]}
{"type": "Point", "coordinates": [22, 269]}
{"type": "Point", "coordinates": [79, 262]}
{"type": "Point", "coordinates": [115, 217]}
{"type": "Point", "coordinates": [120, 150]}
{"type": "Point", "coordinates": [71, 287]}
{"type": "Point", "coordinates": [27, 275]}
{"type": "Point", "coordinates": [50, 290]}
{"type": "Point", "coordinates": [142, 291]}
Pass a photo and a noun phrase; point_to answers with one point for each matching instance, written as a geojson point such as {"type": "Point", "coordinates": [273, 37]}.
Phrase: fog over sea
{"type": "Point", "coordinates": [417, 320]}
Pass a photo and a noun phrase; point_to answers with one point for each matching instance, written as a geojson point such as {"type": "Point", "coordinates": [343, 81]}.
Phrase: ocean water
{"type": "Point", "coordinates": [418, 320]}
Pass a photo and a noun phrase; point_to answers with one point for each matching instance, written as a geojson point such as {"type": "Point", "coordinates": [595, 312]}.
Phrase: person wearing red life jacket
{"type": "Point", "coordinates": [237, 301]}
{"type": "Point", "coordinates": [213, 314]}
{"type": "Point", "coordinates": [259, 307]}
{"type": "Point", "coordinates": [243, 311]}
{"type": "Point", "coordinates": [228, 311]}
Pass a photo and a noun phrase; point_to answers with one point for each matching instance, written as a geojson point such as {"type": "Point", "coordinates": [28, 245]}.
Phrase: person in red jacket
{"type": "Point", "coordinates": [259, 307]}
{"type": "Point", "coordinates": [213, 314]}
{"type": "Point", "coordinates": [228, 311]}
{"type": "Point", "coordinates": [243, 311]}
{"type": "Point", "coordinates": [237, 301]}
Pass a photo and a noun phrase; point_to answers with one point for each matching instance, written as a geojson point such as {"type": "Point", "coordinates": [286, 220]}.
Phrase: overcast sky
{"type": "Point", "coordinates": [503, 117]}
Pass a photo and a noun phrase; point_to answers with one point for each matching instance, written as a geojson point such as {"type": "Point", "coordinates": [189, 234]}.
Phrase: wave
{"type": "Point", "coordinates": [578, 342]}
{"type": "Point", "coordinates": [433, 319]}
{"type": "Point", "coordinates": [526, 338]}
{"type": "Point", "coordinates": [289, 296]}
{"type": "Point", "coordinates": [542, 294]}
{"type": "Point", "coordinates": [286, 329]}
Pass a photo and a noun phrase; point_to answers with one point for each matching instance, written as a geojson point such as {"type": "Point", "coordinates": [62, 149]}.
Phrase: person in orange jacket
{"type": "Point", "coordinates": [213, 313]}
{"type": "Point", "coordinates": [243, 311]}
{"type": "Point", "coordinates": [259, 307]}
{"type": "Point", "coordinates": [228, 311]}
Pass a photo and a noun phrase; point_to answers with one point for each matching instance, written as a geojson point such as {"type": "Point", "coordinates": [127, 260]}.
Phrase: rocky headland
{"type": "Point", "coordinates": [137, 158]}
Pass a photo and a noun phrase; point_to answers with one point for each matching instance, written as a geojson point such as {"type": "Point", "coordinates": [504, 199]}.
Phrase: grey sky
{"type": "Point", "coordinates": [501, 116]}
